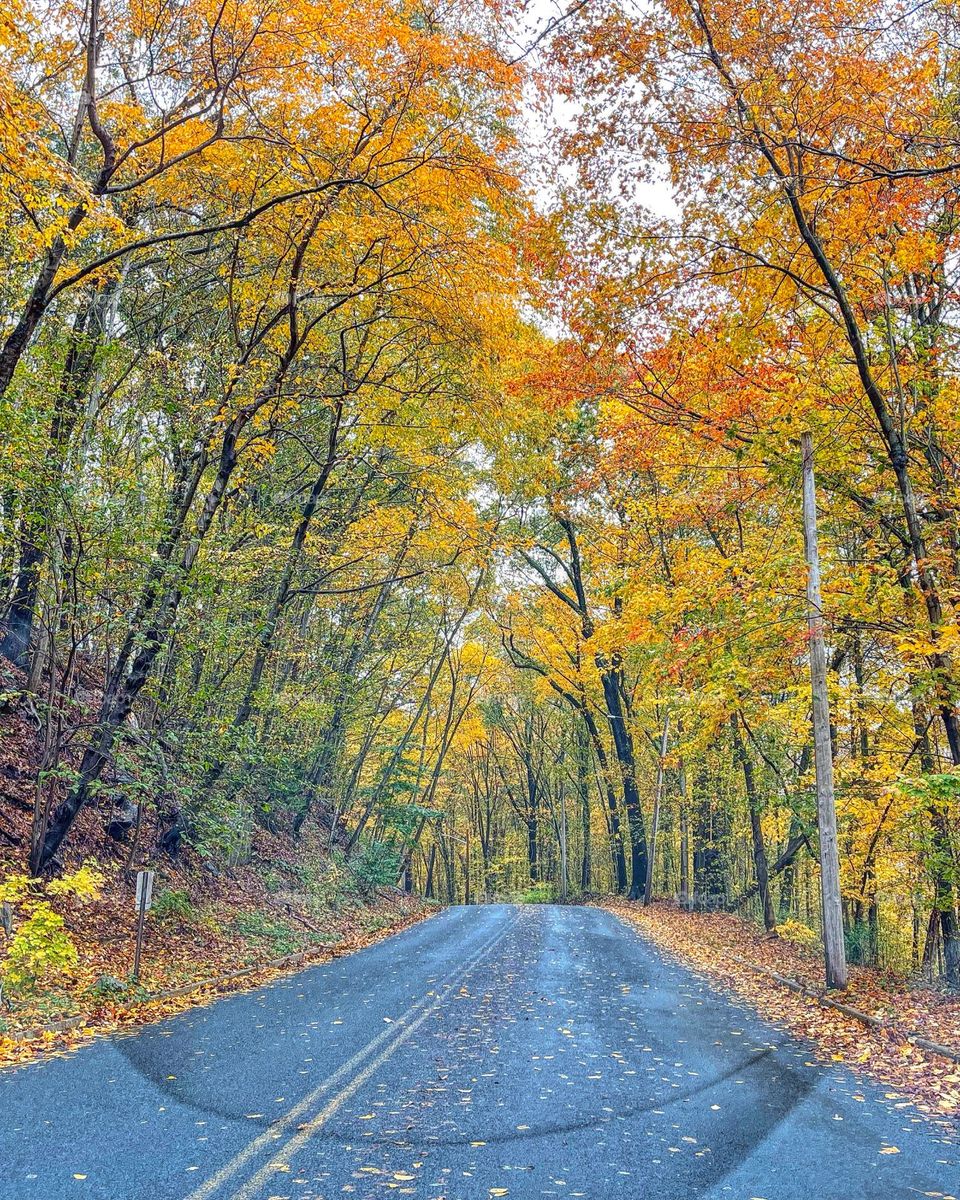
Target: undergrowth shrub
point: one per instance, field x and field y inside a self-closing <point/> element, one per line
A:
<point x="107" y="987"/>
<point x="37" y="944"/>
<point x="376" y="865"/>
<point x="800" y="934"/>
<point x="174" y="904"/>
<point x="540" y="893"/>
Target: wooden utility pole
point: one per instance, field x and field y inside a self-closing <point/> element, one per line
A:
<point x="832" y="912"/>
<point x="655" y="819"/>
<point x="685" y="896"/>
<point x="563" y="845"/>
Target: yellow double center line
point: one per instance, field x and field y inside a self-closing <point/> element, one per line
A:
<point x="352" y="1075"/>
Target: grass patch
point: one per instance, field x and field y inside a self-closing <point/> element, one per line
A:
<point x="259" y="929"/>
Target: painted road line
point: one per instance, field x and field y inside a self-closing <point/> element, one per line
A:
<point x="398" y="1030"/>
<point x="280" y="1160"/>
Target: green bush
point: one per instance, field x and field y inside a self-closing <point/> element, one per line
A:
<point x="174" y="905"/>
<point x="799" y="934"/>
<point x="272" y="881"/>
<point x="331" y="885"/>
<point x="377" y="865"/>
<point x="107" y="987"/>
<point x="540" y="893"/>
<point x="37" y="942"/>
<point x="41" y="947"/>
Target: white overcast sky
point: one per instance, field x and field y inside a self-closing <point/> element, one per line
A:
<point x="537" y="16"/>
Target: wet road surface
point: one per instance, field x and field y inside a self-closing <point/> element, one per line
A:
<point x="490" y="1051"/>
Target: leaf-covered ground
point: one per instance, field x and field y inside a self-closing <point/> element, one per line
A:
<point x="721" y="945"/>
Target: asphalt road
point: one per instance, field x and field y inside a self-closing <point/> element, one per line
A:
<point x="494" y="1051"/>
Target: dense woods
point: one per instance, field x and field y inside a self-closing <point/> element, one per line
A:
<point x="400" y="410"/>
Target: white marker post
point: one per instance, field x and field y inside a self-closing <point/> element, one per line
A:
<point x="144" y="900"/>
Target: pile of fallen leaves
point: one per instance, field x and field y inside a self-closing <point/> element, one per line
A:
<point x="723" y="947"/>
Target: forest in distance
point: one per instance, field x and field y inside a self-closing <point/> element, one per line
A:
<point x="401" y="482"/>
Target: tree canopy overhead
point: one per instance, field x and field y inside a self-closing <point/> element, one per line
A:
<point x="376" y="456"/>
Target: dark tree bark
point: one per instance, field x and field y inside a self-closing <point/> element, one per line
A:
<point x="612" y="682"/>
<point x="159" y="604"/>
<point x="158" y="608"/>
<point x="329" y="751"/>
<point x="616" y="703"/>
<point x="685" y="895"/>
<point x="583" y="792"/>
<point x="922" y="573"/>
<point x="761" y="869"/>
<point x="85" y="337"/>
<point x="709" y="833"/>
<point x="271" y="622"/>
<point x="428" y="883"/>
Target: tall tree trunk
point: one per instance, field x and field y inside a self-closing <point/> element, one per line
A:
<point x="655" y="818"/>
<point x="831" y="903"/>
<point x="946" y="896"/>
<point x="613" y="805"/>
<point x="708" y="873"/>
<point x="271" y="622"/>
<point x="159" y="603"/>
<point x="324" y="769"/>
<point x="787" y="864"/>
<point x="685" y="896"/>
<point x="931" y="945"/>
<point x="583" y="792"/>
<point x="753" y="803"/>
<point x="533" y="862"/>
<point x="626" y="758"/>
<point x="897" y="451"/>
<point x="140" y="650"/>
<point x="39" y="498"/>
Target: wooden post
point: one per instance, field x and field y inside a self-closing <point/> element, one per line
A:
<point x="655" y="819"/>
<point x="143" y="901"/>
<point x="832" y="911"/>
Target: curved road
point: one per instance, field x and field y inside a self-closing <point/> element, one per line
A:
<point x="493" y="1051"/>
